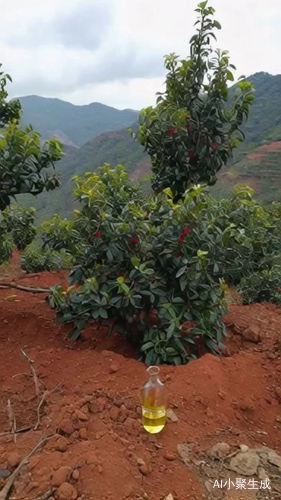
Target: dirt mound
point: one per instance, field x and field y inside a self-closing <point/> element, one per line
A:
<point x="88" y="405"/>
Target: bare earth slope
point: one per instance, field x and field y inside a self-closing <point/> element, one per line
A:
<point x="98" y="449"/>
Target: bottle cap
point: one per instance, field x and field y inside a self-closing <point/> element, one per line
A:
<point x="153" y="370"/>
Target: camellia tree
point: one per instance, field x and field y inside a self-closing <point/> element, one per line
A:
<point x="155" y="267"/>
<point x="24" y="168"/>
<point x="194" y="127"/>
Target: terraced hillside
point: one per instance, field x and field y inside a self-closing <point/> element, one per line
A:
<point x="260" y="169"/>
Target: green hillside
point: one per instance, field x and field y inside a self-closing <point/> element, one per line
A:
<point x="112" y="147"/>
<point x="257" y="161"/>
<point x="260" y="169"/>
<point x="265" y="116"/>
<point x="73" y="124"/>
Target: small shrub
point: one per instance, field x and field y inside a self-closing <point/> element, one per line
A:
<point x="264" y="286"/>
<point x="18" y="222"/>
<point x="35" y="259"/>
<point x="142" y="263"/>
<point x="153" y="264"/>
<point x="16" y="230"/>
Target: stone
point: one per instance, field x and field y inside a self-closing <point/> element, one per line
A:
<point x="142" y="466"/>
<point x="60" y="476"/>
<point x="262" y="475"/>
<point x="13" y="459"/>
<point x="4" y="473"/>
<point x="75" y="474"/>
<point x="169" y="455"/>
<point x="114" y="367"/>
<point x="83" y="433"/>
<point x="118" y="402"/>
<point x="209" y="486"/>
<point x="169" y="497"/>
<point x="131" y="426"/>
<point x="247" y="407"/>
<point x="274" y="459"/>
<point x="66" y="426"/>
<point x="66" y="492"/>
<point x="245" y="463"/>
<point x="114" y="413"/>
<point x="100" y="434"/>
<point x="123" y="414"/>
<point x="252" y="333"/>
<point x="171" y="415"/>
<point x="244" y="448"/>
<point x="184" y="453"/>
<point x="219" y="450"/>
<point x="144" y="470"/>
<point x="61" y="444"/>
<point x="81" y="415"/>
<point x="263" y="452"/>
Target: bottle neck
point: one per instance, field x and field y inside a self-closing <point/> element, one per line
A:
<point x="154" y="379"/>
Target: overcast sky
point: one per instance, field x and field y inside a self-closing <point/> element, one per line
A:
<point x="111" y="51"/>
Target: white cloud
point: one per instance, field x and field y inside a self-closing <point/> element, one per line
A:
<point x="112" y="50"/>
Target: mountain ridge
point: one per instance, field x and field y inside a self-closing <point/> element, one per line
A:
<point x="74" y="124"/>
<point x="117" y="146"/>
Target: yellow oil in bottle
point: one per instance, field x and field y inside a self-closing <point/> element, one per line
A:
<point x="154" y="419"/>
<point x="154" y="402"/>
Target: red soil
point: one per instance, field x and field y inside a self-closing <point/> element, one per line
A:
<point x="260" y="153"/>
<point x="93" y="404"/>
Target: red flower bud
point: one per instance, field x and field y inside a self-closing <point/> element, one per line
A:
<point x="134" y="240"/>
<point x="214" y="145"/>
<point x="184" y="233"/>
<point x="172" y="131"/>
<point x="187" y="230"/>
<point x="191" y="153"/>
<point x="98" y="234"/>
<point x="188" y="126"/>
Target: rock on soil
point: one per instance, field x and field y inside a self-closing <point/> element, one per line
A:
<point x="245" y="463"/>
<point x="66" y="492"/>
<point x="219" y="450"/>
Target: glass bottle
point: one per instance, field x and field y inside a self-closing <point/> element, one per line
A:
<point x="154" y="402"/>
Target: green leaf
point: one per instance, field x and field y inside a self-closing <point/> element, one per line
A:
<point x="180" y="271"/>
<point x="217" y="25"/>
<point x="135" y="261"/>
<point x="230" y="76"/>
<point x="171" y="351"/>
<point x="147" y="346"/>
<point x="75" y="334"/>
<point x="183" y="283"/>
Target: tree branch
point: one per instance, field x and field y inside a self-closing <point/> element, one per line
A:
<point x="31" y="289"/>
<point x="5" y="490"/>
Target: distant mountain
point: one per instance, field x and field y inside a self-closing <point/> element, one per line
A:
<point x="257" y="161"/>
<point x="265" y="114"/>
<point x="111" y="147"/>
<point x="74" y="125"/>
